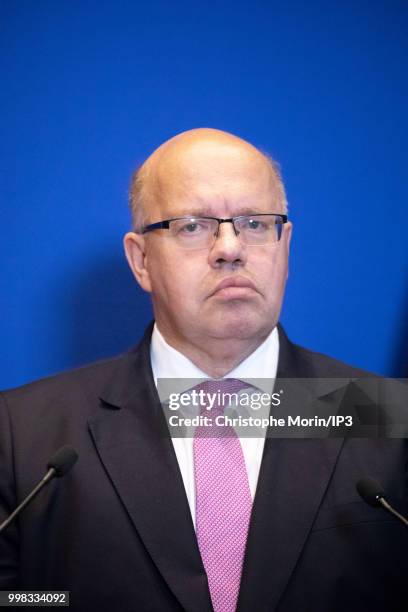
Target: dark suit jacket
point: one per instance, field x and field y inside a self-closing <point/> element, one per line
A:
<point x="117" y="531"/>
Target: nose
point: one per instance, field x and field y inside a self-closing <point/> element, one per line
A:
<point x="227" y="250"/>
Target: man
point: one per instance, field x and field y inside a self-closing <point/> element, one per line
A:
<point x="144" y="522"/>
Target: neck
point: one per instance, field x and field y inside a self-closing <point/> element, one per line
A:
<point x="216" y="356"/>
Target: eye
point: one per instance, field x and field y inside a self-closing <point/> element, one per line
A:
<point x="255" y="225"/>
<point x="191" y="228"/>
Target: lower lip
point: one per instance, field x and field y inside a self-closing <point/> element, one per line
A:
<point x="234" y="293"/>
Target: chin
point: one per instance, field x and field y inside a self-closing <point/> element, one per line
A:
<point x="241" y="326"/>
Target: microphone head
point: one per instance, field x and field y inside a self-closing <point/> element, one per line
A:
<point x="371" y="491"/>
<point x="63" y="460"/>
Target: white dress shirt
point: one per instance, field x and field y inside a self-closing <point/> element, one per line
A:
<point x="167" y="362"/>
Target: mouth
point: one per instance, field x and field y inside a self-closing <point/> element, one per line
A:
<point x="234" y="288"/>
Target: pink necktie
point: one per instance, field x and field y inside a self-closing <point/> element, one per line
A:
<point x="223" y="501"/>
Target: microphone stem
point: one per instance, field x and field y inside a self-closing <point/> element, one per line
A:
<point x="49" y="476"/>
<point x="389" y="508"/>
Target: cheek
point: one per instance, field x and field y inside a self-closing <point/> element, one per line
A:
<point x="175" y="278"/>
<point x="272" y="272"/>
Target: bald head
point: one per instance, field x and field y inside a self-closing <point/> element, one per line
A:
<point x="207" y="158"/>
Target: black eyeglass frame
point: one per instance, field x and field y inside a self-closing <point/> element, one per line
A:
<point x="166" y="223"/>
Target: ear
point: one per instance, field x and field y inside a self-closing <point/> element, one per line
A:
<point x="288" y="231"/>
<point x="287" y="235"/>
<point x="135" y="249"/>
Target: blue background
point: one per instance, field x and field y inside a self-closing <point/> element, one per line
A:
<point x="91" y="88"/>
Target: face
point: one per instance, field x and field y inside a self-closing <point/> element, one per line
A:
<point x="220" y="180"/>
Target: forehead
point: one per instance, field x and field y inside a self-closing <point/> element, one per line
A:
<point x="213" y="179"/>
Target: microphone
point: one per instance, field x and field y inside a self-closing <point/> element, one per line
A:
<point x="58" y="466"/>
<point x="373" y="494"/>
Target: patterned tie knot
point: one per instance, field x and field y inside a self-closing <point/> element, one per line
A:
<point x="214" y="397"/>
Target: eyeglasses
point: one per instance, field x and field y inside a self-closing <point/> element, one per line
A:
<point x="202" y="232"/>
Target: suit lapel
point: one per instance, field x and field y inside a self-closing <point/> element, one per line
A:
<point x="132" y="440"/>
<point x="292" y="481"/>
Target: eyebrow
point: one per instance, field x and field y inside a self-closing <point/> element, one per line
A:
<point x="205" y="212"/>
